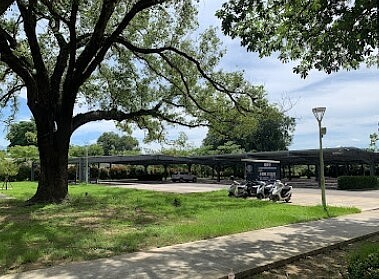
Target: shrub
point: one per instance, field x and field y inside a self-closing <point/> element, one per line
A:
<point x="118" y="172"/>
<point x="104" y="173"/>
<point x="23" y="172"/>
<point x="71" y="172"/>
<point x="357" y="182"/>
<point x="37" y="172"/>
<point x="364" y="263"/>
<point x="94" y="172"/>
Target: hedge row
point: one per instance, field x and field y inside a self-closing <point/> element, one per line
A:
<point x="357" y="182"/>
<point x="117" y="172"/>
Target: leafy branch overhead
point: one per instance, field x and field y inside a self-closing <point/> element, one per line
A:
<point x="139" y="62"/>
<point x="322" y="35"/>
<point x="133" y="62"/>
<point x="4" y="5"/>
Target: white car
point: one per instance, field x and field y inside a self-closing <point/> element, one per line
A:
<point x="183" y="176"/>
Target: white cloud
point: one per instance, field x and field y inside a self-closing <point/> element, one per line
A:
<point x="89" y="133"/>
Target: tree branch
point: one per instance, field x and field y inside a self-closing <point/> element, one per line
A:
<point x="10" y="94"/>
<point x="30" y="31"/>
<point x="73" y="39"/>
<point x="186" y="93"/>
<point x="4" y="5"/>
<point x="54" y="13"/>
<point x="114" y="114"/>
<point x="97" y="55"/>
<point x="61" y="62"/>
<point x="218" y="86"/>
<point x="96" y="40"/>
<point x="14" y="62"/>
<point x="182" y="77"/>
<point x="160" y="50"/>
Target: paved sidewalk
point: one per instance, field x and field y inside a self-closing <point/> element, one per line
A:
<point x="243" y="253"/>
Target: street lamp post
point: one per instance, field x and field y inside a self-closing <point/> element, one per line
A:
<point x="87" y="170"/>
<point x="319" y="114"/>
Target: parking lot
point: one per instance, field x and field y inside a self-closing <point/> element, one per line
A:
<point x="364" y="200"/>
<point x="185" y="187"/>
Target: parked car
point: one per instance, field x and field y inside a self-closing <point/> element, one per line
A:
<point x="183" y="176"/>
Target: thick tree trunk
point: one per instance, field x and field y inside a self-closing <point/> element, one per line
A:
<point x="53" y="153"/>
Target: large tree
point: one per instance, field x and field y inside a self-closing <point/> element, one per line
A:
<point x="131" y="61"/>
<point x="319" y="34"/>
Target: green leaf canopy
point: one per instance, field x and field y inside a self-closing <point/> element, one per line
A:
<point x="317" y="34"/>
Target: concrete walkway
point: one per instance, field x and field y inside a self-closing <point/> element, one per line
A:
<point x="244" y="253"/>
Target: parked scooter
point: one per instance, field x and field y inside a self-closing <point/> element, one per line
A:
<point x="280" y="192"/>
<point x="252" y="187"/>
<point x="244" y="189"/>
<point x="264" y="190"/>
<point x="238" y="190"/>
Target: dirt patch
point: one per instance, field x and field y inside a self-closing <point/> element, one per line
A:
<point x="330" y="264"/>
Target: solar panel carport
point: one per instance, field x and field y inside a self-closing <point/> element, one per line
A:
<point x="332" y="156"/>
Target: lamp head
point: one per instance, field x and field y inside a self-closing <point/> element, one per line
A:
<point x="319" y="112"/>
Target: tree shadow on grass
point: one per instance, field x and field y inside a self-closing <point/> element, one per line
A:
<point x="215" y="258"/>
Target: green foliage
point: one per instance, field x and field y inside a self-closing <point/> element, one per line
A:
<point x="229" y="147"/>
<point x="373" y="139"/>
<point x="364" y="262"/>
<point x="22" y="133"/>
<point x="8" y="167"/>
<point x="263" y="129"/>
<point x="118" y="172"/>
<point x="325" y="35"/>
<point x="113" y="144"/>
<point x="357" y="182"/>
<point x="71" y="172"/>
<point x="23" y="153"/>
<point x="83" y="151"/>
<point x="305" y="171"/>
<point x="104" y="173"/>
<point x="16" y="163"/>
<point x="101" y="221"/>
<point x="24" y="172"/>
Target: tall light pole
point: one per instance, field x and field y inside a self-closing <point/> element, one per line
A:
<point x="319" y="114"/>
<point x="87" y="164"/>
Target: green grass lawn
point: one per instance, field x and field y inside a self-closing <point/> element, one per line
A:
<point x="101" y="221"/>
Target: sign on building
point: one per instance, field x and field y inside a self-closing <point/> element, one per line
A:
<point x="261" y="170"/>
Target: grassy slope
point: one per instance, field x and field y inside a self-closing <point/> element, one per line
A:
<point x="102" y="221"/>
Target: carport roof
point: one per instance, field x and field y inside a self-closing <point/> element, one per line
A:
<point x="341" y="155"/>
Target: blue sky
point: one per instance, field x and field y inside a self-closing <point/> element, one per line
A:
<point x="351" y="98"/>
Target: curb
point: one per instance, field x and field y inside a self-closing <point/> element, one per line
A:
<point x="246" y="274"/>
